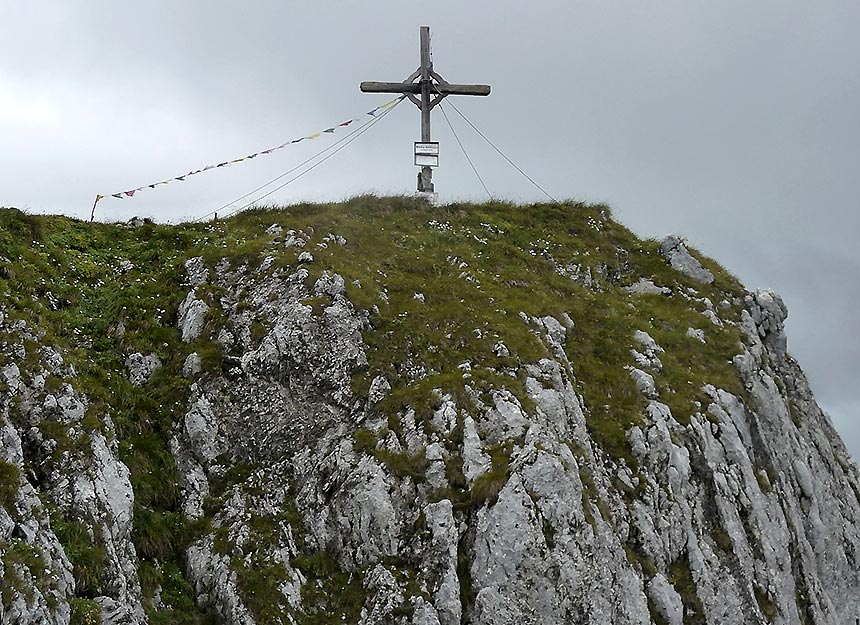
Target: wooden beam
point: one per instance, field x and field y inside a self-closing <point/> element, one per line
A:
<point x="449" y="89"/>
<point x="390" y="87"/>
<point x="415" y="87"/>
<point x="426" y="177"/>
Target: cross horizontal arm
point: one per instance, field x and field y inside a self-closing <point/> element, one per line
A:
<point x="415" y="87"/>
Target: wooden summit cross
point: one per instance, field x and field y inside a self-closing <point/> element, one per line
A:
<point x="425" y="88"/>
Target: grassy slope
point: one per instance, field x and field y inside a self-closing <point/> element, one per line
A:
<point x="477" y="266"/>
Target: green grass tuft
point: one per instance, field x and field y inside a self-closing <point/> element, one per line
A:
<point x="10" y="479"/>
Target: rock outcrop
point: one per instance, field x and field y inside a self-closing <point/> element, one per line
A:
<point x="679" y="257"/>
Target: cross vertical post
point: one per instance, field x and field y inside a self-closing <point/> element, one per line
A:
<point x="425" y="88"/>
<point x="425" y="179"/>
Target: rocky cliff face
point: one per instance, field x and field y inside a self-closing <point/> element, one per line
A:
<point x="382" y="412"/>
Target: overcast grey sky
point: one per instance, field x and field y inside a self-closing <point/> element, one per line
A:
<point x="734" y="123"/>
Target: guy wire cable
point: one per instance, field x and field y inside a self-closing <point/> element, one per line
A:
<point x="514" y="165"/>
<point x="460" y="143"/>
<point x="357" y="133"/>
<point x="300" y="165"/>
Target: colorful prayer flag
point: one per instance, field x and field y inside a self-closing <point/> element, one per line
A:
<point x="131" y="192"/>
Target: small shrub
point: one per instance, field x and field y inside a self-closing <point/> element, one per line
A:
<point x="401" y="464"/>
<point x="31" y="558"/>
<point x="84" y="612"/>
<point x="86" y="554"/>
<point x="454" y="472"/>
<point x="178" y="596"/>
<point x="486" y="487"/>
<point x="404" y="464"/>
<point x="156" y="534"/>
<point x="723" y="540"/>
<point x="150" y="578"/>
<point x="258" y="331"/>
<point x="331" y="594"/>
<point x="767" y="606"/>
<point x="682" y="579"/>
<point x="364" y="441"/>
<point x="10" y="479"/>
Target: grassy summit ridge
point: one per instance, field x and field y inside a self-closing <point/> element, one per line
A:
<point x="451" y="292"/>
<point x="477" y="267"/>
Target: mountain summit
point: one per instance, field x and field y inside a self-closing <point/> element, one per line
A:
<point x="380" y="411"/>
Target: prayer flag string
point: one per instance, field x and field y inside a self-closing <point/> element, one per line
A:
<point x="130" y="193"/>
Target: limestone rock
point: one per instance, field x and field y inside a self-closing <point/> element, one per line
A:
<point x="644" y="382"/>
<point x="192" y="366"/>
<point x="192" y="316"/>
<point x="140" y="367"/>
<point x="769" y="313"/>
<point x="699" y="335"/>
<point x="673" y="248"/>
<point x="666" y="600"/>
<point x="196" y="271"/>
<point x="330" y="284"/>
<point x="646" y="286"/>
<point x="379" y="388"/>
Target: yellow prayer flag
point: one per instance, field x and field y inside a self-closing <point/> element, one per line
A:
<point x="315" y="136"/>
